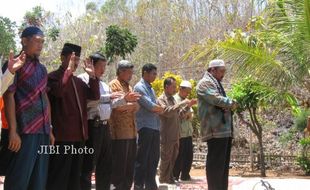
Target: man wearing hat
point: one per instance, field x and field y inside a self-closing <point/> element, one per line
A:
<point x="214" y="109"/>
<point x="184" y="160"/>
<point x="170" y="129"/>
<point x="68" y="95"/>
<point x="98" y="114"/>
<point x="123" y="130"/>
<point x="27" y="108"/>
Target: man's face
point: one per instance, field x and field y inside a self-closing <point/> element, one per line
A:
<point x="151" y="76"/>
<point x="184" y="92"/>
<point x="171" y="89"/>
<point x="126" y="75"/>
<point x="33" y="45"/>
<point x="100" y="68"/>
<point x="219" y="73"/>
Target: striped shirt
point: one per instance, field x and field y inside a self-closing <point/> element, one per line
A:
<point x="31" y="108"/>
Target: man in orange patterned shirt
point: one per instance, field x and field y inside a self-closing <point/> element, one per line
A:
<point x="123" y="129"/>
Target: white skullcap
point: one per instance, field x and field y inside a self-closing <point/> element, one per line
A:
<point x="186" y="84"/>
<point x="216" y="63"/>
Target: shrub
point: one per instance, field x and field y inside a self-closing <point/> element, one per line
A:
<point x="304" y="159"/>
<point x="300" y="121"/>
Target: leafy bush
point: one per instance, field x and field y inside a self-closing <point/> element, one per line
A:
<point x="285" y="138"/>
<point x="119" y="42"/>
<point x="304" y="159"/>
<point x="158" y="84"/>
<point x="300" y="121"/>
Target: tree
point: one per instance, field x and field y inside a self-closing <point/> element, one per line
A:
<point x="7" y="35"/>
<point x="42" y="19"/>
<point x="35" y="17"/>
<point x="119" y="42"/>
<point x="165" y="29"/>
<point x="253" y="97"/>
<point x="91" y="7"/>
<point x="274" y="47"/>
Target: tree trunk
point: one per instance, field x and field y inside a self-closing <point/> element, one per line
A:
<point x="258" y="131"/>
<point x="261" y="156"/>
<point x="261" y="147"/>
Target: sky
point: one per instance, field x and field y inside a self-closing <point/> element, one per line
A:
<point x="16" y="9"/>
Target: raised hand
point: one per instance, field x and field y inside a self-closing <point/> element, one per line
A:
<point x="15" y="63"/>
<point x="72" y="61"/>
<point x="89" y="67"/>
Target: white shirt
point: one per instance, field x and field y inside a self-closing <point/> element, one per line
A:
<point x="103" y="106"/>
<point x="6" y="81"/>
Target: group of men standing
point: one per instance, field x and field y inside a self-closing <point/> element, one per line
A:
<point x="128" y="128"/>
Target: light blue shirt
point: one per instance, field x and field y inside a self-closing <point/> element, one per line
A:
<point x="145" y="117"/>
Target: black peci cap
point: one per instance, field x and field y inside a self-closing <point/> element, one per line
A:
<point x="31" y="31"/>
<point x="70" y="48"/>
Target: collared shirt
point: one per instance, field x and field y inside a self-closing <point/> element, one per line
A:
<point x="186" y="128"/>
<point x="66" y="117"/>
<point x="169" y="119"/>
<point x="102" y="107"/>
<point x="31" y="108"/>
<point x="145" y="117"/>
<point x="122" y="123"/>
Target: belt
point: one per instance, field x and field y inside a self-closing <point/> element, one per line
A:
<point x="103" y="122"/>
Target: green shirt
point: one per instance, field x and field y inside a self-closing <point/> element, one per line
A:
<point x="186" y="129"/>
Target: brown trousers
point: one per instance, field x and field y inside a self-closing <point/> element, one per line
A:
<point x="168" y="155"/>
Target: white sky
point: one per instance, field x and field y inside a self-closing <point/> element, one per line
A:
<point x="16" y="9"/>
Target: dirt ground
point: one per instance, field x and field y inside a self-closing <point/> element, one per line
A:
<point x="256" y="173"/>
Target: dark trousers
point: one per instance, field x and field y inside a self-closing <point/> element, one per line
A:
<point x="65" y="168"/>
<point x="147" y="159"/>
<point x="28" y="169"/>
<point x="123" y="160"/>
<point x="101" y="160"/>
<point x="217" y="164"/>
<point x="184" y="160"/>
<point x="6" y="155"/>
